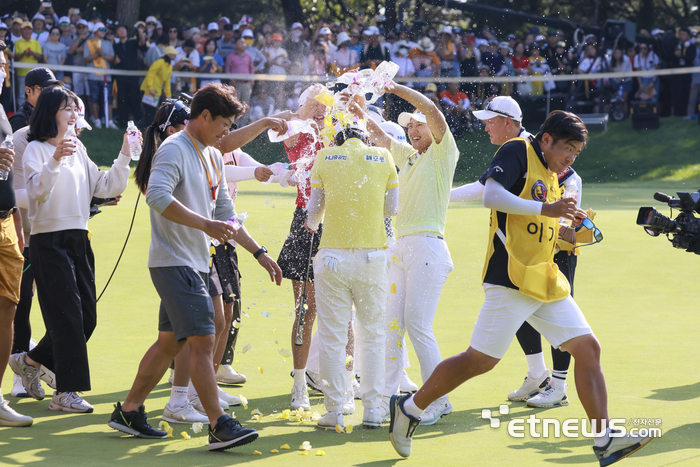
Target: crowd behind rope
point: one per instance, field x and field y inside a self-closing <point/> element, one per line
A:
<point x="256" y="46"/>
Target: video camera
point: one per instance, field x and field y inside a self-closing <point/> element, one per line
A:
<point x="685" y="228"/>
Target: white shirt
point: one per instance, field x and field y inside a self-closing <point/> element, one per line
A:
<point x="651" y="62"/>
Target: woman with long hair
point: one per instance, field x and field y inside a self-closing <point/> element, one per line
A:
<point x="61" y="179"/>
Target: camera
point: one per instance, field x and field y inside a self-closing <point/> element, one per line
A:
<point x="685" y="228"/>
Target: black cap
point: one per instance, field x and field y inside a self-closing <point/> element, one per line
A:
<point x="40" y="77"/>
<point x="228" y="27"/>
<point x="96" y="15"/>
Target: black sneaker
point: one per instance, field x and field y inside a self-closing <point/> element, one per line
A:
<point x="134" y="423"/>
<point x="228" y="433"/>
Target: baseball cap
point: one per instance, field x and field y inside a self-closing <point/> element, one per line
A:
<point x="540" y="38"/>
<point x="3" y="26"/>
<point x="394" y="130"/>
<point x="64" y="20"/>
<point x="39" y="16"/>
<point x="82" y="122"/>
<point x="82" y="21"/>
<point x="194" y="30"/>
<point x="511" y="36"/>
<point x="27" y="24"/>
<point x="493" y="41"/>
<point x="17" y="20"/>
<point x="431" y="87"/>
<point x="247" y="33"/>
<point x="224" y="20"/>
<point x="343" y="37"/>
<point x="100" y="26"/>
<point x="277" y="37"/>
<point x="213" y="27"/>
<point x="297" y="26"/>
<point x="169" y="50"/>
<point x="324" y="30"/>
<point x="40" y="77"/>
<point x="501" y="106"/>
<point x="405" y="118"/>
<point x="151" y="19"/>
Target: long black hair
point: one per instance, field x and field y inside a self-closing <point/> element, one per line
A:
<point x="170" y="113"/>
<point x="42" y="124"/>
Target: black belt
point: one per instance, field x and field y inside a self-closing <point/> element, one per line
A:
<point x="8" y="213"/>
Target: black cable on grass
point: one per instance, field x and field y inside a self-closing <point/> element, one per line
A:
<point x="123" y="248"/>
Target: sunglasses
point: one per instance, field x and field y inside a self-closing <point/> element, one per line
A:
<point x="177" y="105"/>
<point x="173" y="30"/>
<point x="65" y="24"/>
<point x="597" y="235"/>
<point x="102" y="30"/>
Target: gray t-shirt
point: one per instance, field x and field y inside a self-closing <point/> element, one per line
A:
<point x="177" y="173"/>
<point x="107" y="51"/>
<point x="54" y="52"/>
<point x="77" y="58"/>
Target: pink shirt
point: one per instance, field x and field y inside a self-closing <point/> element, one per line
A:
<point x="240" y="64"/>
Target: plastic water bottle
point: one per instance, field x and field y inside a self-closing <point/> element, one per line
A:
<point x="571" y="191"/>
<point x="236" y="222"/>
<point x="294" y="127"/>
<point x="7" y="144"/>
<point x="134" y="142"/>
<point x="68" y="161"/>
<point x="278" y="168"/>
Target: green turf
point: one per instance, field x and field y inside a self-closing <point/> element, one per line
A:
<point x="638" y="293"/>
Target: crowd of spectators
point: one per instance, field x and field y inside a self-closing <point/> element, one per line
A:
<point x="262" y="47"/>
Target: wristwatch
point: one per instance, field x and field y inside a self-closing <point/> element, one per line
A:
<point x="261" y="251"/>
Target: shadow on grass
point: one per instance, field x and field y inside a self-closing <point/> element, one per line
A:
<point x="678" y="393"/>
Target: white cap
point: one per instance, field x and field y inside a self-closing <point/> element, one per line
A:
<point x="324" y="30"/>
<point x="500" y="106"/>
<point x="446" y="30"/>
<point x="159" y="25"/>
<point x="247" y="33"/>
<point x="100" y="25"/>
<point x="343" y="37"/>
<point x="39" y="16"/>
<point x="540" y="38"/>
<point x="394" y="130"/>
<point x="83" y="22"/>
<point x="82" y="122"/>
<point x="373" y="113"/>
<point x="225" y="20"/>
<point x="151" y="19"/>
<point x="297" y="26"/>
<point x="480" y="42"/>
<point x="213" y="26"/>
<point x="195" y="30"/>
<point x="405" y="118"/>
<point x="654" y="32"/>
<point x="63" y="19"/>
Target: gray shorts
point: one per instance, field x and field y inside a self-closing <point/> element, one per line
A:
<point x="185" y="305"/>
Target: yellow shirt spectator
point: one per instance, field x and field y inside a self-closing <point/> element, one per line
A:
<point x="425" y="180"/>
<point x="158" y="78"/>
<point x="22" y="45"/>
<point x="353" y="177"/>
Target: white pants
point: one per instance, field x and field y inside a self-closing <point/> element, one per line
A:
<point x="419" y="268"/>
<point x="505" y="310"/>
<point x="80" y="84"/>
<point x="362" y="280"/>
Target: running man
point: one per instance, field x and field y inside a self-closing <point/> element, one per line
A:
<point x="521" y="283"/>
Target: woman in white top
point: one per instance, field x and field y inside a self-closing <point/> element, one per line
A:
<point x="622" y="63"/>
<point x="61" y="257"/>
<point x="647" y="60"/>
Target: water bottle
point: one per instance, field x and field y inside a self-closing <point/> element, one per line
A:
<point x="134" y="142"/>
<point x="294" y="127"/>
<point x="278" y="168"/>
<point x="68" y="161"/>
<point x="571" y="191"/>
<point x="236" y="222"/>
<point x="8" y="144"/>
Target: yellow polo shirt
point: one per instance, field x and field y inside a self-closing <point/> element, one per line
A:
<point x="426" y="180"/>
<point x="354" y="178"/>
<point x="21" y="46"/>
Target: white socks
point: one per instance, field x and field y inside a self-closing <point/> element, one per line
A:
<point x="411" y="408"/>
<point x="178" y="396"/>
<point x="535" y="364"/>
<point x="601" y="441"/>
<point x="191" y="391"/>
<point x="300" y="377"/>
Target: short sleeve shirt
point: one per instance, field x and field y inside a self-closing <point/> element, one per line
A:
<point x="107" y="51"/>
<point x="354" y="178"/>
<point x="55" y="52"/>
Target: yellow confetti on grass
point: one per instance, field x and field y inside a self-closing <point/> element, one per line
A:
<point x="285" y="446"/>
<point x="303" y="453"/>
<point x="260" y="370"/>
<point x="185" y="435"/>
<point x="285" y="353"/>
<point x="274" y="451"/>
<point x="246" y="348"/>
<point x="197" y="427"/>
<point x="163" y="425"/>
<point x="320" y="453"/>
<point x="257" y="453"/>
<point x="393" y="289"/>
<point x="305" y="446"/>
<point x="244" y="401"/>
<point x="237" y="324"/>
<point x="348" y="429"/>
<point x="339" y="429"/>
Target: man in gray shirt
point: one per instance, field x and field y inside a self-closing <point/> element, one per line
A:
<point x="190" y="203"/>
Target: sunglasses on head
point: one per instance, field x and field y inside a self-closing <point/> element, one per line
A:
<point x="177" y="105"/>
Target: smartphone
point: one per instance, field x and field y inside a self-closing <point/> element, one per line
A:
<point x="46" y="4"/>
<point x="471" y="40"/>
<point x="76" y="11"/>
<point x="101" y="201"/>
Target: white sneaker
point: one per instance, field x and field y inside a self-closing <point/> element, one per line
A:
<point x="372" y="418"/>
<point x="357" y="395"/>
<point x="228" y="398"/>
<point x="70" y="402"/>
<point x="8" y="416"/>
<point x="406" y="385"/>
<point x="401" y="426"/>
<point x="531" y="387"/>
<point x="172" y="375"/>
<point x="330" y="420"/>
<point x="436" y="411"/>
<point x="227" y="375"/>
<point x="384" y="409"/>
<point x="97" y="123"/>
<point x="112" y="125"/>
<point x="17" y="387"/>
<point x="619" y="448"/>
<point x="300" y="398"/>
<point x="197" y="404"/>
<point x="48" y="377"/>
<point x="183" y="414"/>
<point x="348" y="406"/>
<point x="554" y="395"/>
<point x="29" y="375"/>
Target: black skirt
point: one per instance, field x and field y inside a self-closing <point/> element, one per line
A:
<point x="294" y="257"/>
